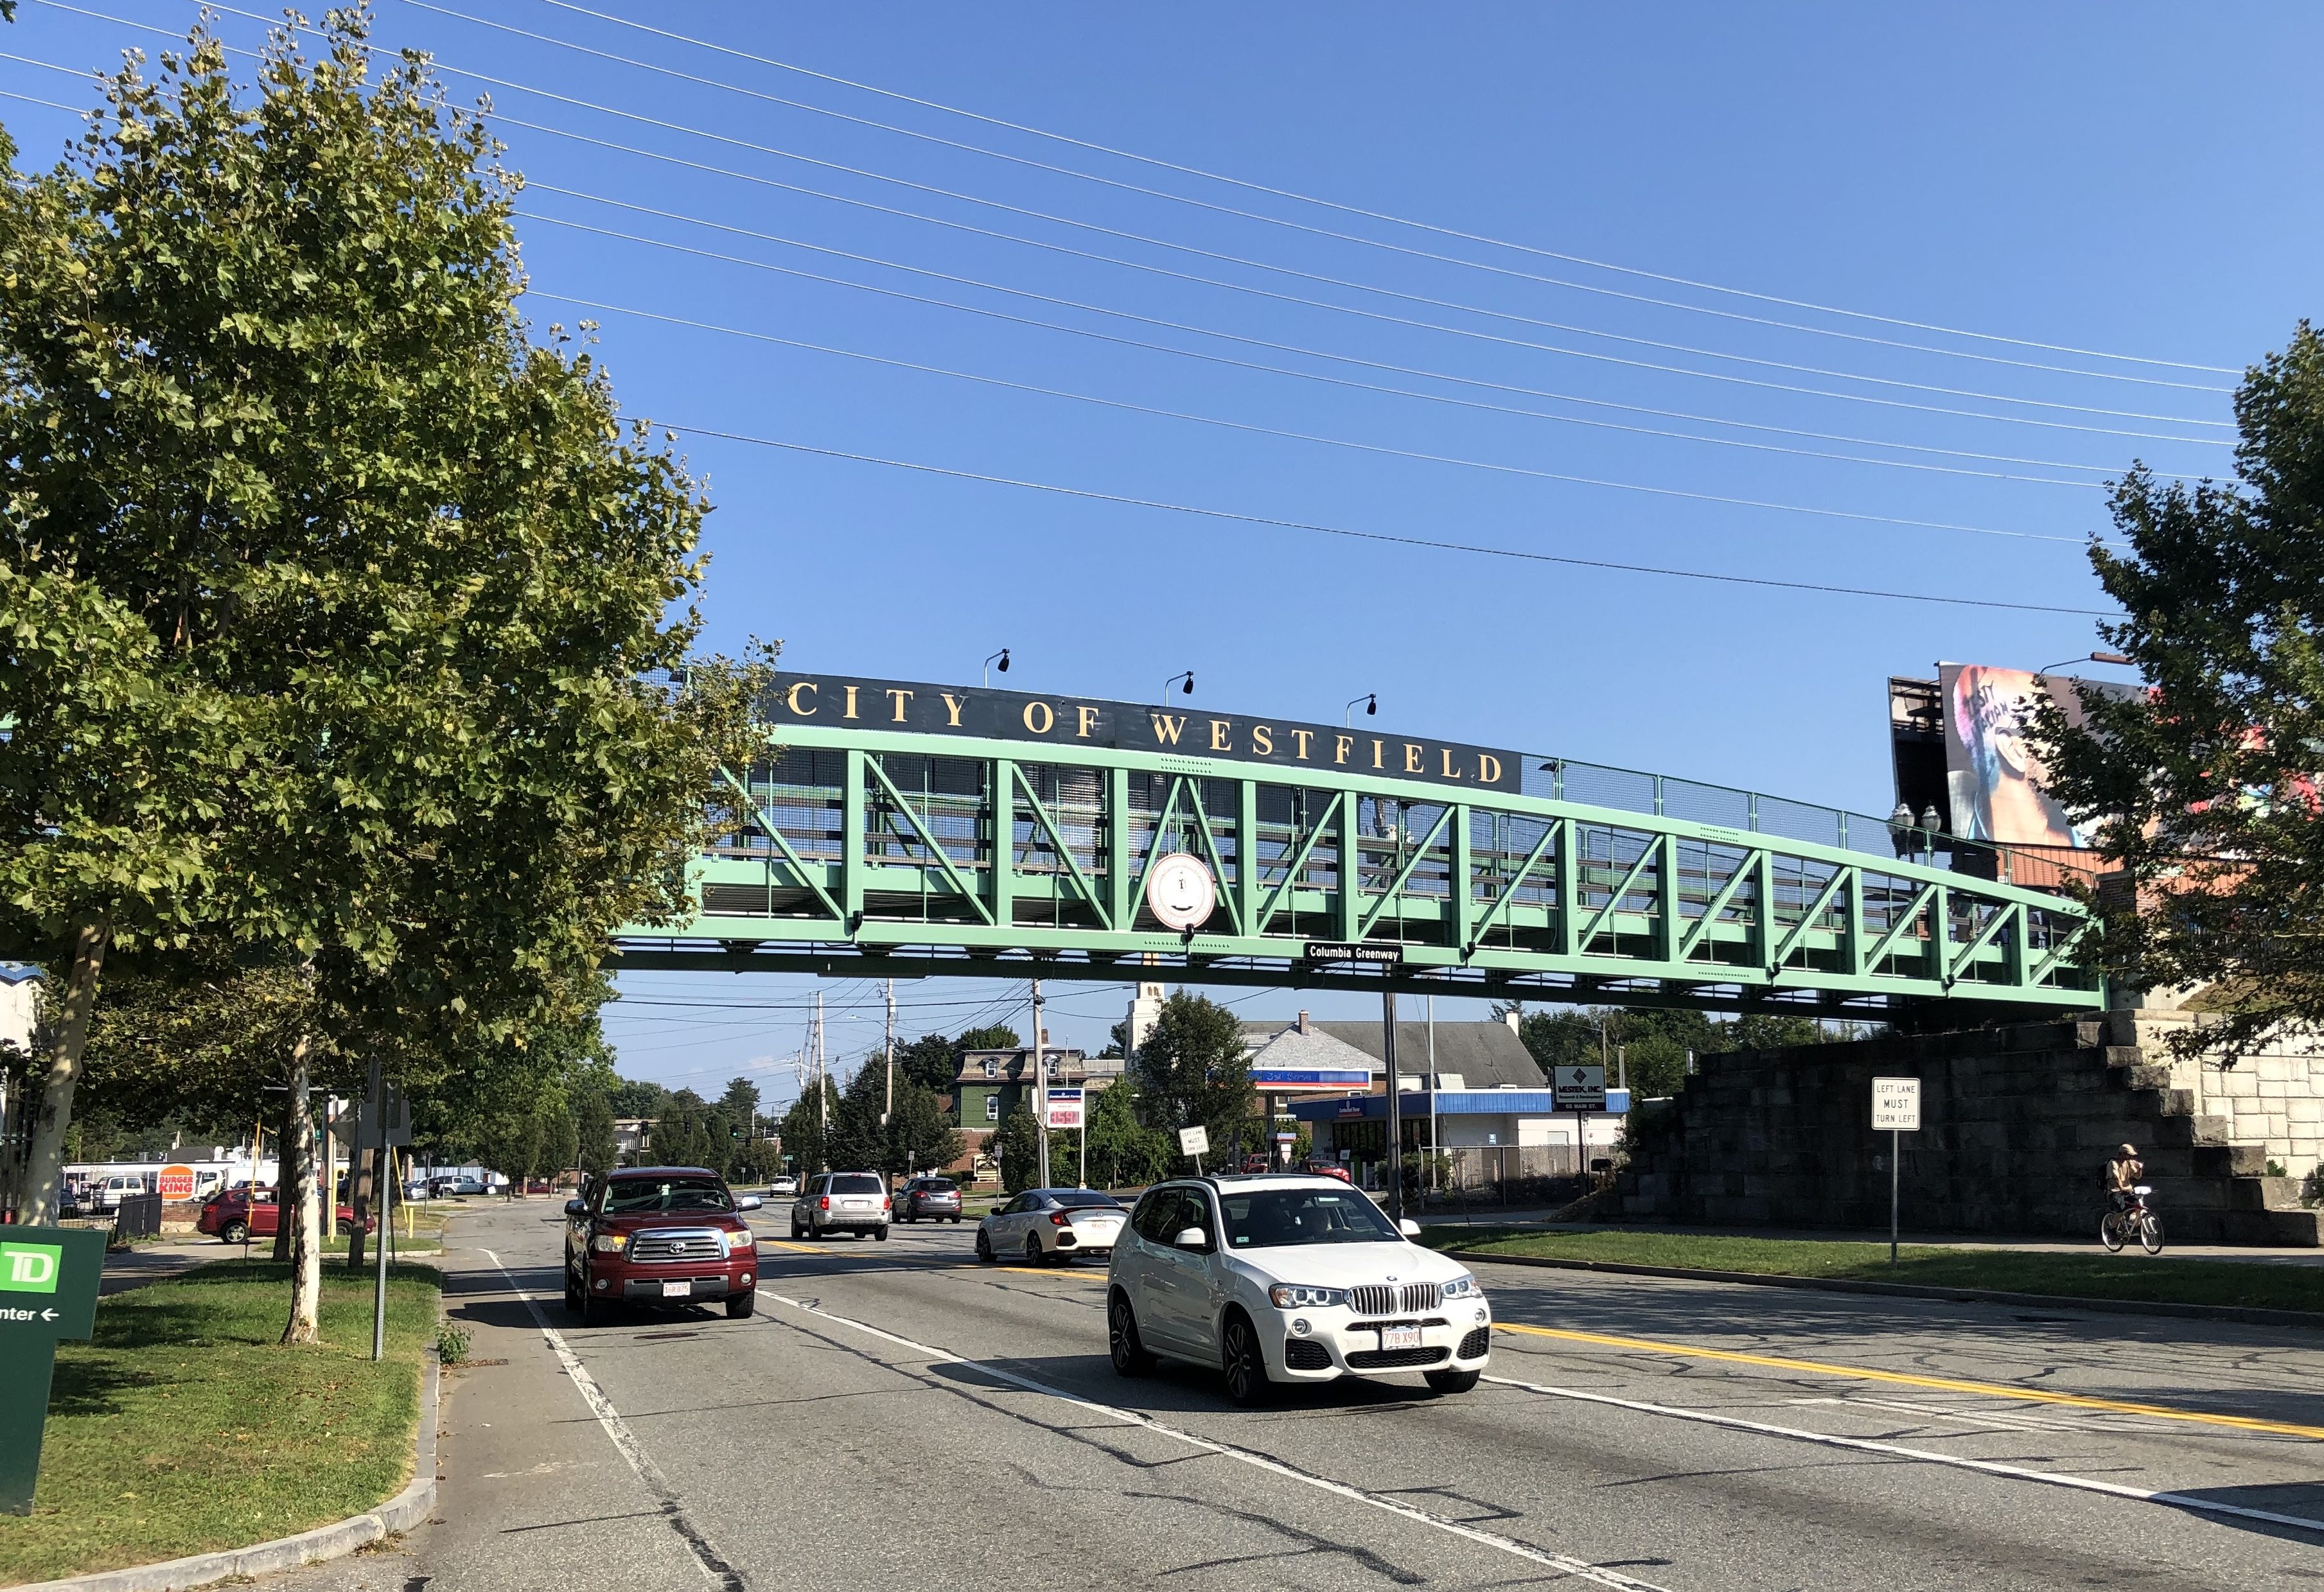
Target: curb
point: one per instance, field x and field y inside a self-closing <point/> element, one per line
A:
<point x="2127" y="1307"/>
<point x="398" y="1515"/>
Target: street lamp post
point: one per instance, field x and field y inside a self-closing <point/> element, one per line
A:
<point x="1371" y="699"/>
<point x="1000" y="658"/>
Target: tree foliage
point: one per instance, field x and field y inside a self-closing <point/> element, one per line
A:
<point x="1194" y="1070"/>
<point x="1651" y="1045"/>
<point x="2204" y="790"/>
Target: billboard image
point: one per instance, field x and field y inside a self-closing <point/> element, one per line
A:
<point x="1994" y="770"/>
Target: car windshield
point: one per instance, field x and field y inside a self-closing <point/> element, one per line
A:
<point x="856" y="1182"/>
<point x="627" y="1194"/>
<point x="1274" y="1218"/>
<point x="1083" y="1199"/>
<point x="935" y="1185"/>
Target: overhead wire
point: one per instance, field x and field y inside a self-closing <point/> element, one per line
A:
<point x="1343" y="208"/>
<point x="1711" y="354"/>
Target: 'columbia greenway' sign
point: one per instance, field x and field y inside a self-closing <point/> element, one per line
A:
<point x="48" y="1291"/>
<point x="970" y="711"/>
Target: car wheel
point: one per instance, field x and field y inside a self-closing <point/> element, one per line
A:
<point x="1452" y="1381"/>
<point x="741" y="1304"/>
<point x="984" y="1246"/>
<point x="798" y="1232"/>
<point x="572" y="1293"/>
<point x="882" y="1234"/>
<point x="1130" y="1354"/>
<point x="1033" y="1255"/>
<point x="592" y="1308"/>
<point x="1245" y="1363"/>
<point x="956" y="1222"/>
<point x="234" y="1232"/>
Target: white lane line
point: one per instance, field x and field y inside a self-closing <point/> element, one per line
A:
<point x="625" y="1442"/>
<point x="1579" y="1569"/>
<point x="1868" y="1446"/>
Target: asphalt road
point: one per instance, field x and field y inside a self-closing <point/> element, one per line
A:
<point x="897" y="1415"/>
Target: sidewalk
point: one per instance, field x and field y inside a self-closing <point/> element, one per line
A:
<point x="1485" y="1216"/>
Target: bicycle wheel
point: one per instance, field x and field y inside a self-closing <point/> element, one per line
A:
<point x="2110" y="1231"/>
<point x="2150" y="1233"/>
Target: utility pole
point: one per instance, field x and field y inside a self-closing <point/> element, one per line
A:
<point x="822" y="1093"/>
<point x="1433" y="1081"/>
<point x="891" y="1112"/>
<point x="1395" y="1108"/>
<point x="1041" y="1085"/>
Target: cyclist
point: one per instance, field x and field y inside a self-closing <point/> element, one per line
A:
<point x="2122" y="1174"/>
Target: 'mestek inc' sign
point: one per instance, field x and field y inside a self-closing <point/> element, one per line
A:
<point x="1080" y="720"/>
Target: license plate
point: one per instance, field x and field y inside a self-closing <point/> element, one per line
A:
<point x="680" y="1290"/>
<point x="1399" y="1338"/>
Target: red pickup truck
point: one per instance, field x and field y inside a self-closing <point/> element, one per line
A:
<point x="660" y="1235"/>
<point x="235" y="1214"/>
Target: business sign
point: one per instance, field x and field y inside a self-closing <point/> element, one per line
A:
<point x="1265" y="1078"/>
<point x="1353" y="1106"/>
<point x="175" y="1183"/>
<point x="1996" y="774"/>
<point x="1194" y="1141"/>
<point x="1578" y="1089"/>
<point x="1896" y="1105"/>
<point x="979" y="712"/>
<point x="1065" y="1107"/>
<point x="48" y="1291"/>
<point x="1383" y="955"/>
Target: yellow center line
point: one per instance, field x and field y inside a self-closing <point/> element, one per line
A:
<point x="1905" y="1379"/>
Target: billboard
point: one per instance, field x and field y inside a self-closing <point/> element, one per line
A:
<point x="1994" y="770"/>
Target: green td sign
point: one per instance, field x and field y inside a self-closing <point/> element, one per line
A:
<point x="48" y="1291"/>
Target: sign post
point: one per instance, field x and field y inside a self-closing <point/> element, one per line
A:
<point x="1580" y="1090"/>
<point x="1195" y="1142"/>
<point x="1895" y="1107"/>
<point x="48" y="1291"/>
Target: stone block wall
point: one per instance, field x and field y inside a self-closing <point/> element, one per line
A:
<point x="2016" y="1125"/>
<point x="2273" y="1100"/>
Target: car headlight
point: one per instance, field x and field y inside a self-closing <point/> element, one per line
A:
<point x="1464" y="1286"/>
<point x="741" y="1240"/>
<point x="1291" y="1296"/>
<point x="610" y="1243"/>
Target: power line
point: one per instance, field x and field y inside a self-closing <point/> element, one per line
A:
<point x="1326" y="441"/>
<point x="1369" y="535"/>
<point x="1355" y="210"/>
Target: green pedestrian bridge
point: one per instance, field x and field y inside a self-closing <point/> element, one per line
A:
<point x="900" y="829"/>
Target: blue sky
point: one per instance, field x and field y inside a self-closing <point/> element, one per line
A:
<point x="2122" y="179"/>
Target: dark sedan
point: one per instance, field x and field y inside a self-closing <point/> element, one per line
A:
<point x="930" y="1199"/>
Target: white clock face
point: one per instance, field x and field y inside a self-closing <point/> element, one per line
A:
<point x="1180" y="891"/>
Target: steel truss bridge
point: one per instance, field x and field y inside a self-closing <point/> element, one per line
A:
<point x="858" y="852"/>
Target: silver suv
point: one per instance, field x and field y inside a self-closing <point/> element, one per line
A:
<point x="841" y="1202"/>
<point x="1288" y="1278"/>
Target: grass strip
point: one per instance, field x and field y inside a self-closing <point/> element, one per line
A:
<point x="2130" y="1275"/>
<point x="183" y="1427"/>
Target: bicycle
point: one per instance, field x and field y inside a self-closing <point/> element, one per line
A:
<point x="2132" y="1219"/>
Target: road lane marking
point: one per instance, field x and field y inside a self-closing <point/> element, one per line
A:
<point x="2055" y="1478"/>
<point x="1579" y="1569"/>
<point x="1904" y="1379"/>
<point x="625" y="1442"/>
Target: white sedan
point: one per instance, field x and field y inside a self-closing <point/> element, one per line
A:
<point x="1044" y="1225"/>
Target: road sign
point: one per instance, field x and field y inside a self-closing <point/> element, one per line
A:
<point x="1194" y="1141"/>
<point x="1896" y="1105"/>
<point x="1180" y="891"/>
<point x="359" y="1130"/>
<point x="1065" y="1107"/>
<point x="48" y="1291"/>
<point x="1380" y="955"/>
<point x="1578" y="1089"/>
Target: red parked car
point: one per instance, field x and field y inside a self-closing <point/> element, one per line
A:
<point x="660" y="1235"/>
<point x="235" y="1214"/>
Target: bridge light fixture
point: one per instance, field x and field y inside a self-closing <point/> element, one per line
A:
<point x="1188" y="688"/>
<point x="1371" y="699"/>
<point x="1001" y="658"/>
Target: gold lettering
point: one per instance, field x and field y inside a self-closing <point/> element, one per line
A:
<point x="900" y="698"/>
<point x="1219" y="729"/>
<point x="1488" y="769"/>
<point x="953" y="704"/>
<point x="1167" y="729"/>
<point x="1412" y="759"/>
<point x="1303" y="737"/>
<point x="1048" y="719"/>
<point x="1085" y="717"/>
<point x="793" y="695"/>
<point x="1450" y="771"/>
<point x="1340" y="753"/>
<point x="1262" y="741"/>
<point x="850" y="703"/>
<point x="1376" y="755"/>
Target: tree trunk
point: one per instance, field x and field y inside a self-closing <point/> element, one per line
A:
<point x="45" y="1173"/>
<point x="297" y="1143"/>
<point x="306" y="1238"/>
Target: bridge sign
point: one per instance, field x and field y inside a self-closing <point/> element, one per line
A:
<point x="1579" y="1089"/>
<point x="48" y="1291"/>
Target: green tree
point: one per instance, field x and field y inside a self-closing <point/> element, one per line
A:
<point x="271" y="398"/>
<point x="2204" y="789"/>
<point x="1123" y="1151"/>
<point x="560" y="1136"/>
<point x="1018" y="1146"/>
<point x="1194" y="1070"/>
<point x="993" y="1037"/>
<point x="593" y="1133"/>
<point x="931" y="1061"/>
<point x="804" y="1138"/>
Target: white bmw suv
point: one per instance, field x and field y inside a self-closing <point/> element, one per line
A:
<point x="1291" y="1278"/>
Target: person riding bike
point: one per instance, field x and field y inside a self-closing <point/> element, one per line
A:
<point x="2122" y="1174"/>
